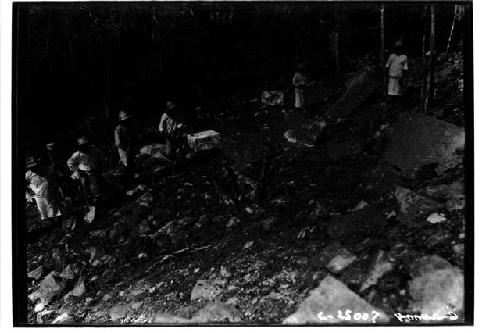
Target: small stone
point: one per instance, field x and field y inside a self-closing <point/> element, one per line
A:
<point x="233" y="221"/>
<point x="341" y="260"/>
<point x="436" y="218"/>
<point x="39" y="307"/>
<point x="248" y="245"/>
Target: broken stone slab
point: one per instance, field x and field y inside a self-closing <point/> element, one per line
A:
<point x="417" y="140"/>
<point x="331" y="298"/>
<point x="381" y="265"/>
<point x="217" y="313"/>
<point x="49" y="288"/>
<point x="412" y="204"/>
<point x="68" y="273"/>
<point x="36" y="274"/>
<point x="202" y="141"/>
<point x="335" y="257"/>
<point x="273" y="97"/>
<point x="157" y="150"/>
<point x="78" y="290"/>
<point x="64" y="318"/>
<point x="119" y="311"/>
<point x="437" y="287"/>
<point x="207" y="289"/>
<point x="360" y="89"/>
<point x="303" y="131"/>
<point x="340" y="151"/>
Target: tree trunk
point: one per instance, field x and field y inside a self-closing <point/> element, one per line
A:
<point x="382" y="38"/>
<point x="452" y="28"/>
<point x="430" y="77"/>
<point x="424" y="61"/>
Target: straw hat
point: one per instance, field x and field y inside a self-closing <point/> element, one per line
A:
<point x="124" y="115"/>
<point x="82" y="140"/>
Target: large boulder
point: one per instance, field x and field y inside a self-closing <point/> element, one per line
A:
<point x="324" y="303"/>
<point x="437" y="287"/>
<point x="49" y="288"/>
<point x="362" y="86"/>
<point x="416" y="140"/>
<point x="413" y="205"/>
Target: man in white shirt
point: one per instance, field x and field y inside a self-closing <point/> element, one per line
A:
<point x="168" y="127"/>
<point x="38" y="189"/>
<point x="397" y="65"/>
<point x="87" y="164"/>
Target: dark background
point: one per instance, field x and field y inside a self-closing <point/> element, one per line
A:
<point x="76" y="60"/>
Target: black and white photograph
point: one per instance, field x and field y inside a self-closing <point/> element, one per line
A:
<point x="242" y="163"/>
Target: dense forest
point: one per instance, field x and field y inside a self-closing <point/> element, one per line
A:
<point x="76" y="60"/>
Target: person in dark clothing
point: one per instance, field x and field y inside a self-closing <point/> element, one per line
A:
<point x="125" y="141"/>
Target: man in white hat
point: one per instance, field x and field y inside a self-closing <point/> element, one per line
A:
<point x="38" y="189"/>
<point x="397" y="65"/>
<point x="87" y="164"/>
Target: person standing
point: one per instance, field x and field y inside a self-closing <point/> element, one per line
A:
<point x="124" y="142"/>
<point x="87" y="165"/>
<point x="38" y="189"/>
<point x="299" y="82"/>
<point x="168" y="127"/>
<point x="397" y="65"/>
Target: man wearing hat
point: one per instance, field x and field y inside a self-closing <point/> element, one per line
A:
<point x="38" y="189"/>
<point x="397" y="65"/>
<point x="168" y="127"/>
<point x="124" y="141"/>
<point x="87" y="164"/>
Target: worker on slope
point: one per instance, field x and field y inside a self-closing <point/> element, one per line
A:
<point x="125" y="142"/>
<point x="87" y="164"/>
<point x="299" y="81"/>
<point x="169" y="128"/>
<point x="397" y="65"/>
<point x="38" y="189"/>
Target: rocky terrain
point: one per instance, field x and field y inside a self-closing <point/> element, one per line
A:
<point x="350" y="213"/>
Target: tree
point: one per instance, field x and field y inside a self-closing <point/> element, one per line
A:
<point x="423" y="84"/>
<point x="430" y="76"/>
<point x="382" y="37"/>
<point x="457" y="15"/>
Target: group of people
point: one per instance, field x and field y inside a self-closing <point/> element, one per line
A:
<point x="396" y="65"/>
<point x="88" y="162"/>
